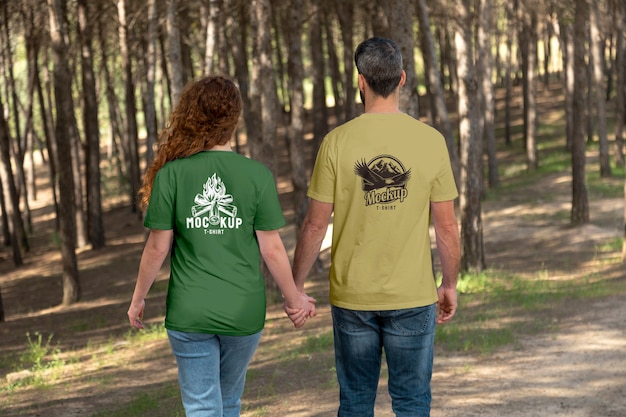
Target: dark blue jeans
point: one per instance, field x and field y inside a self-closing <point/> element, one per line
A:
<point x="407" y="337"/>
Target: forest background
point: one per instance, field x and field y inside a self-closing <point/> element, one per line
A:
<point x="87" y="86"/>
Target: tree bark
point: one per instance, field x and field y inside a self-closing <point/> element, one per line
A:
<point x="620" y="100"/>
<point x="320" y="110"/>
<point x="8" y="185"/>
<point x="620" y="85"/>
<point x="62" y="79"/>
<point x="175" y="54"/>
<point x="473" y="257"/>
<point x="296" y="127"/>
<point x="149" y="100"/>
<point x="130" y="107"/>
<point x="580" y="202"/>
<point x="333" y="64"/>
<point x="345" y="14"/>
<point x="485" y="65"/>
<point x="400" y="14"/>
<point x="95" y="226"/>
<point x="567" y="46"/>
<point x="265" y="100"/>
<point x="529" y="69"/>
<point x="598" y="83"/>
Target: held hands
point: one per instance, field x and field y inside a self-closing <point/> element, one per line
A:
<point x="447" y="304"/>
<point x="300" y="310"/>
<point x="135" y="313"/>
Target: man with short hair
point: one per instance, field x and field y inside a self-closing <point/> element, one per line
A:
<point x="384" y="175"/>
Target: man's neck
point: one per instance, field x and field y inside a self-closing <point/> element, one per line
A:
<point x="378" y="104"/>
<point x="382" y="107"/>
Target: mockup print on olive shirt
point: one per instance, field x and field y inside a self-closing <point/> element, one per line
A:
<point x="214" y="201"/>
<point x="381" y="171"/>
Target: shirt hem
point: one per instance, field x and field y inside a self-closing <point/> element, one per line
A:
<point x="212" y="331"/>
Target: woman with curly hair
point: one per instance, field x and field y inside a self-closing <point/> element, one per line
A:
<point x="216" y="213"/>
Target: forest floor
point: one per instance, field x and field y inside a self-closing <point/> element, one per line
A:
<point x="572" y="365"/>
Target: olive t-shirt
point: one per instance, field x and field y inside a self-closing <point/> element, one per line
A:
<point x="381" y="171"/>
<point x="214" y="201"/>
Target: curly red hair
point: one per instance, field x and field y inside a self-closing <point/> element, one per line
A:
<point x="206" y="115"/>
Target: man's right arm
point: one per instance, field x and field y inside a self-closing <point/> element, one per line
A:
<point x="310" y="241"/>
<point x="448" y="247"/>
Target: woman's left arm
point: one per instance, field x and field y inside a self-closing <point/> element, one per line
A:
<point x="275" y="257"/>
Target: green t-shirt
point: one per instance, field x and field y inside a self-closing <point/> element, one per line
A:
<point x="214" y="201"/>
<point x="381" y="171"/>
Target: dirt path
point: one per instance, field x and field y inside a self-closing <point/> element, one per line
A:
<point x="576" y="369"/>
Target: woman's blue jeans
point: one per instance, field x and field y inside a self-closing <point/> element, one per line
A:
<point x="407" y="337"/>
<point x="212" y="371"/>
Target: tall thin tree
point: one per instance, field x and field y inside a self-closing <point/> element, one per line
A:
<point x="295" y="72"/>
<point x="580" y="199"/>
<point x="95" y="225"/>
<point x="8" y="185"/>
<point x="597" y="50"/>
<point x="62" y="79"/>
<point x="131" y="136"/>
<point x="473" y="257"/>
<point x="175" y="54"/>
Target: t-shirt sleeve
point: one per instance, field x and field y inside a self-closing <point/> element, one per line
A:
<point x="322" y="187"/>
<point x="160" y="212"/>
<point x="444" y="186"/>
<point x="269" y="214"/>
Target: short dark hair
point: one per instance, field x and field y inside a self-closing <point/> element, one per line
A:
<point x="379" y="60"/>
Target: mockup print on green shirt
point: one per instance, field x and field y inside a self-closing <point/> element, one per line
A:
<point x="214" y="201"/>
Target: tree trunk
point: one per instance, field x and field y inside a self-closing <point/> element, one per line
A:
<point x="213" y="13"/>
<point x="320" y="111"/>
<point x="116" y="154"/>
<point x="265" y="101"/>
<point x="296" y="127"/>
<point x="333" y="64"/>
<point x="8" y="185"/>
<point x="473" y="257"/>
<point x="508" y="87"/>
<point x="429" y="53"/>
<point x="175" y="54"/>
<point x="62" y="79"/>
<point x="400" y="14"/>
<point x="567" y="46"/>
<point x="580" y="202"/>
<point x="14" y="104"/>
<point x="598" y="83"/>
<point x="130" y="105"/>
<point x="345" y="13"/>
<point x="237" y="39"/>
<point x="48" y="122"/>
<point x="485" y="64"/>
<point x="149" y="100"/>
<point x="620" y="87"/>
<point x="95" y="226"/>
<point x="529" y="69"/>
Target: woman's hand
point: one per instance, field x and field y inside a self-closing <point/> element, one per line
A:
<point x="135" y="313"/>
<point x="299" y="310"/>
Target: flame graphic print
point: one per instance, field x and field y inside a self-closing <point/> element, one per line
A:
<point x="214" y="200"/>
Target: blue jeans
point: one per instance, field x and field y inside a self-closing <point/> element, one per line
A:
<point x="407" y="336"/>
<point x="212" y="371"/>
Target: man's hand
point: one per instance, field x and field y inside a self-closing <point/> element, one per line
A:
<point x="447" y="304"/>
<point x="299" y="313"/>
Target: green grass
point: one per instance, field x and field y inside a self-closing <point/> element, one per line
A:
<point x="165" y="401"/>
<point x="497" y="309"/>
